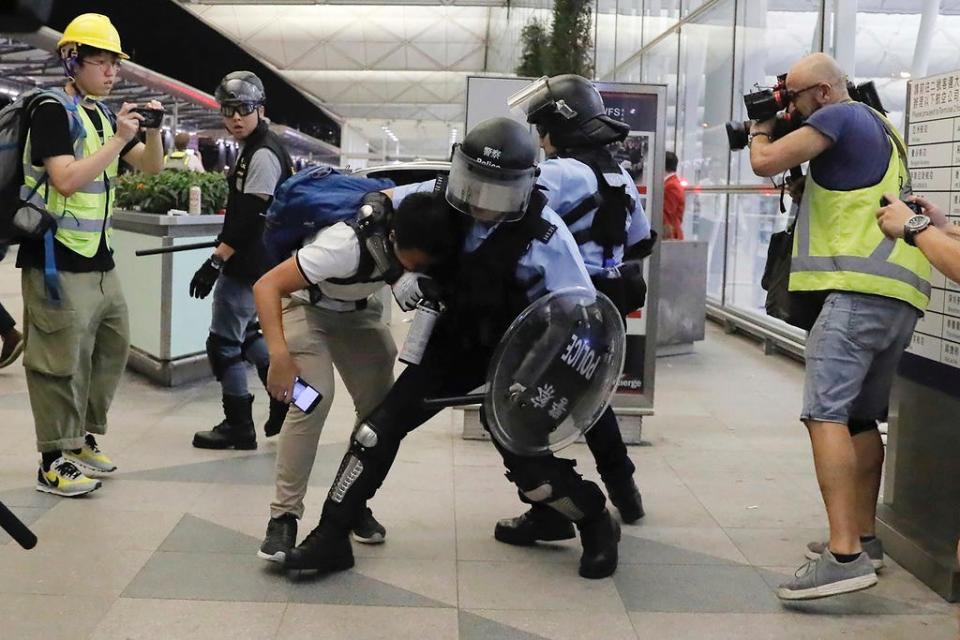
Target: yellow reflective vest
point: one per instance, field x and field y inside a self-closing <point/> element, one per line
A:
<point x="84" y="217"/>
<point x="838" y="245"/>
<point x="177" y="160"/>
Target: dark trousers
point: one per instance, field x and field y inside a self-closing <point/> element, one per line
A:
<point x="444" y="371"/>
<point x="7" y="322"/>
<point x="608" y="449"/>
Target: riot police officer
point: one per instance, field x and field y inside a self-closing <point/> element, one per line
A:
<point x="515" y="249"/>
<point x="599" y="202"/>
<point x="238" y="261"/>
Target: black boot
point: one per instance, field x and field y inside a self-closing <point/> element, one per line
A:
<point x="278" y="410"/>
<point x="326" y="549"/>
<point x="537" y="524"/>
<point x="626" y="498"/>
<point x="235" y="432"/>
<point x="599" y="537"/>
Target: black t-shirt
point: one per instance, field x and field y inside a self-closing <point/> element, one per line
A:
<point x="50" y="137"/>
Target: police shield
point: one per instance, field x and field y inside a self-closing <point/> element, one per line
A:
<point x="554" y="371"/>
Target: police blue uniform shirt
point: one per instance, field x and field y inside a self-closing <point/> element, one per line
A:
<point x="555" y="264"/>
<point x="566" y="183"/>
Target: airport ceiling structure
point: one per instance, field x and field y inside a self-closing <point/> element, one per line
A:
<point x="380" y="64"/>
<point x="395" y="70"/>
<point x="401" y="65"/>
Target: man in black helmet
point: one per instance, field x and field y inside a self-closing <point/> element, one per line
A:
<point x="598" y="201"/>
<point x="515" y="249"/>
<point x="237" y="263"/>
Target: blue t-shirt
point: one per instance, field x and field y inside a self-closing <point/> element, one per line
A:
<point x="860" y="153"/>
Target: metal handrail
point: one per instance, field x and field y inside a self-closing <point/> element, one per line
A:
<point x="762" y="189"/>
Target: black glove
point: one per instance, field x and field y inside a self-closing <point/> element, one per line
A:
<point x="205" y="277"/>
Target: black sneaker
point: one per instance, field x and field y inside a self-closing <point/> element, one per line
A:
<point x="324" y="549"/>
<point x="625" y="496"/>
<point x="368" y="530"/>
<point x="281" y="537"/>
<point x="536" y="525"/>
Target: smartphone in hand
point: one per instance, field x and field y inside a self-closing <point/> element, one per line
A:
<point x="305" y="397"/>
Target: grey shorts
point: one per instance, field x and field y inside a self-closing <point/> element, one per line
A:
<point x="852" y="354"/>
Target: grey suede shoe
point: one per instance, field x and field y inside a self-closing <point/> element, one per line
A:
<point x="825" y="576"/>
<point x="874" y="549"/>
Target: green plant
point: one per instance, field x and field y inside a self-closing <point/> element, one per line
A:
<point x="536" y="45"/>
<point x="171" y="190"/>
<point x="565" y="46"/>
<point x="571" y="44"/>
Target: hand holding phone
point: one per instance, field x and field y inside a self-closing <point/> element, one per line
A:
<point x="913" y="206"/>
<point x="305" y="397"/>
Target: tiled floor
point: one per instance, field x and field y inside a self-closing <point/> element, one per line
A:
<point x="166" y="549"/>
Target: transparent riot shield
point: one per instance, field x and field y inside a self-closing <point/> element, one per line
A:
<point x="554" y="371"/>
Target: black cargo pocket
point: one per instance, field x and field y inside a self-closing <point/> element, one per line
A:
<point x="53" y="341"/>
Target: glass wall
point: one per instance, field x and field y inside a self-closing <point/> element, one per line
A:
<point x="709" y="53"/>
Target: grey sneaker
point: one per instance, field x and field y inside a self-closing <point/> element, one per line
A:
<point x="874" y="549"/>
<point x="825" y="576"/>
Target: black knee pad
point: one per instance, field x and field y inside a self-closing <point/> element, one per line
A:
<point x="857" y="426"/>
<point x="252" y="337"/>
<point x="219" y="354"/>
<point x="553" y="483"/>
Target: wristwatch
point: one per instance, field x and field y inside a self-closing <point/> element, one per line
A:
<point x="913" y="226"/>
<point x="751" y="136"/>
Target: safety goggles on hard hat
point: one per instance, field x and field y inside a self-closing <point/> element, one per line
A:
<point x="535" y="101"/>
<point x="243" y="108"/>
<point x="489" y="193"/>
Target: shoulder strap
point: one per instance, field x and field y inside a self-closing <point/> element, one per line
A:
<point x="897" y="140"/>
<point x="74" y="123"/>
<point x="613" y="203"/>
<point x="366" y="233"/>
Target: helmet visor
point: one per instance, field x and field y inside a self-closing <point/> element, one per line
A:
<point x="534" y="102"/>
<point x="489" y="194"/>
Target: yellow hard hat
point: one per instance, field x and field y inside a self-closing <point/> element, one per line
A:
<point x="93" y="30"/>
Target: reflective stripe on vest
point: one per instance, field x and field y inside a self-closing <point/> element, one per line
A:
<point x="838" y="245"/>
<point x="83" y="217"/>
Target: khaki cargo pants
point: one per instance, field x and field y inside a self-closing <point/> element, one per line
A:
<point x="359" y="344"/>
<point x="75" y="354"/>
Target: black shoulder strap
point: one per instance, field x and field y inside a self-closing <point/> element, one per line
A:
<point x="367" y="265"/>
<point x="612" y="203"/>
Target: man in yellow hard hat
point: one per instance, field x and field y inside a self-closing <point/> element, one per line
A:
<point x="75" y="315"/>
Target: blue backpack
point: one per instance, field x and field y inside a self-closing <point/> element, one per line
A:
<point x="310" y="201"/>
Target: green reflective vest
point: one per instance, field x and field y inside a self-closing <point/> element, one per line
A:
<point x="838" y="245"/>
<point x="84" y="217"/>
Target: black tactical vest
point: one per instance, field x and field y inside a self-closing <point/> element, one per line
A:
<point x="485" y="295"/>
<point x="250" y="262"/>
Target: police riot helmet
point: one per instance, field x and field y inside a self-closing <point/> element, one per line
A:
<point x="570" y="109"/>
<point x="240" y="88"/>
<point x="493" y="171"/>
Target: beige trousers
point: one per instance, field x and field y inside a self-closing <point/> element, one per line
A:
<point x="359" y="344"/>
